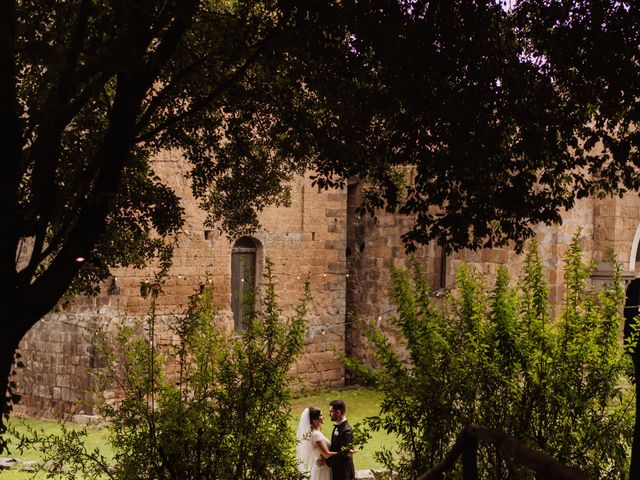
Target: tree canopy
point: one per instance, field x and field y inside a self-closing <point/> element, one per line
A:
<point x="479" y="119"/>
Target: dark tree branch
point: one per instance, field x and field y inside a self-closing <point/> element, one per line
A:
<point x="91" y="224"/>
<point x="175" y="33"/>
<point x="67" y="82"/>
<point x="539" y="462"/>
<point x="163" y="53"/>
<point x="46" y="148"/>
<point x="25" y="276"/>
<point x="157" y="99"/>
<point x="82" y="98"/>
<point x="63" y="116"/>
<point x="206" y="101"/>
<point x="56" y="107"/>
<point x="10" y="139"/>
<point x="68" y="220"/>
<point x="131" y="89"/>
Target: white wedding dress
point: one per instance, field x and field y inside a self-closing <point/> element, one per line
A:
<point x="323" y="472"/>
<point x="308" y="452"/>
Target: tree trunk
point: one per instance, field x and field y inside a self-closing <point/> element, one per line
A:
<point x="8" y="347"/>
<point x="470" y="459"/>
<point x="20" y="312"/>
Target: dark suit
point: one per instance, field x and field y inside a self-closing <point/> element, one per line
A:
<point x="341" y="464"/>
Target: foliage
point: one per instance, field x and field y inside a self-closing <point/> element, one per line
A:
<point x="482" y="107"/>
<point x="224" y="413"/>
<point x="362" y="402"/>
<point x="601" y="69"/>
<point x="253" y="92"/>
<point x="494" y="357"/>
<point x="63" y="454"/>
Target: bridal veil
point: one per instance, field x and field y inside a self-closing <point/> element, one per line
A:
<point x="304" y="450"/>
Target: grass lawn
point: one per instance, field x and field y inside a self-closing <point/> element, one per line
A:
<point x="96" y="437"/>
<point x="360" y="403"/>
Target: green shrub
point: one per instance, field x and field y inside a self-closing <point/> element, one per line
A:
<point x="493" y="356"/>
<point x="222" y="414"/>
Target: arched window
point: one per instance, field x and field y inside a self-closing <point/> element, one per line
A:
<point x="634" y="258"/>
<point x="243" y="279"/>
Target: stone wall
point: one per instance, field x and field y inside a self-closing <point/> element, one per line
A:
<point x="57" y="354"/>
<point x="305" y="241"/>
<point x="374" y="245"/>
<point x="318" y="239"/>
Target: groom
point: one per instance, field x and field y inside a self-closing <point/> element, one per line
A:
<point x="341" y="438"/>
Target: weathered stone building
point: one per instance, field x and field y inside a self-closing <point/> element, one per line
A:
<point x="305" y="242"/>
<point x="319" y="239"/>
<point x="374" y="244"/>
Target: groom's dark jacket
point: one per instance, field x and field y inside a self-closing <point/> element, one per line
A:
<point x="341" y="464"/>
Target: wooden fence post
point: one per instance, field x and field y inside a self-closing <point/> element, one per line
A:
<point x="466" y="446"/>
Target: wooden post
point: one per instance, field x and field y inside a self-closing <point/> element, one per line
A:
<point x="466" y="446"/>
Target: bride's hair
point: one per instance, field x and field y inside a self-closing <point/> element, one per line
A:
<point x="314" y="414"/>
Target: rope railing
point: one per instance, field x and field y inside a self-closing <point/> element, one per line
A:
<point x="466" y="446"/>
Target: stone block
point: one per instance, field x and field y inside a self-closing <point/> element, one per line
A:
<point x="84" y="419"/>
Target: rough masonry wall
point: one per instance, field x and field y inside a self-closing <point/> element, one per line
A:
<point x="373" y="245"/>
<point x="319" y="239"/>
<point x="305" y="242"/>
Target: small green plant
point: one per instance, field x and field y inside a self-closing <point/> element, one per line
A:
<point x="222" y="413"/>
<point x="493" y="356"/>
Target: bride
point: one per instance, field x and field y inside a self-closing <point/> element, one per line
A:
<point x="312" y="445"/>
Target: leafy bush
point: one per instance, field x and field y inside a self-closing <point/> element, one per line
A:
<point x="222" y="414"/>
<point x="493" y="356"/>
